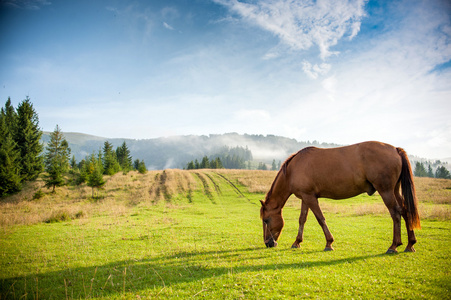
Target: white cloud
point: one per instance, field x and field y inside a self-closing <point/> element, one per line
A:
<point x="302" y="24"/>
<point x="26" y="4"/>
<point x="167" y="26"/>
<point x="313" y="71"/>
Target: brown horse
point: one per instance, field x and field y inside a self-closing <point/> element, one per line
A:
<point x="340" y="173"/>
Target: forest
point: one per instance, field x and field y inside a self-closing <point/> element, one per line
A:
<point x="23" y="156"/>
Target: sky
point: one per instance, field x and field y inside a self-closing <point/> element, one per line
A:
<point x="342" y="71"/>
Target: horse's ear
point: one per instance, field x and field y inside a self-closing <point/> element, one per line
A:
<point x="263" y="203"/>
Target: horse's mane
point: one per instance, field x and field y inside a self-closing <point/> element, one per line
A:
<point x="283" y="170"/>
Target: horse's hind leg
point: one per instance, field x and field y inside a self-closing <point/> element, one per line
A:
<point x="410" y="232"/>
<point x="302" y="219"/>
<point x="395" y="213"/>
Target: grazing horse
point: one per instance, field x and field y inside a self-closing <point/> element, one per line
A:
<point x="339" y="173"/>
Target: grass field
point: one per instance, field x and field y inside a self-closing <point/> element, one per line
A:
<point x="197" y="234"/>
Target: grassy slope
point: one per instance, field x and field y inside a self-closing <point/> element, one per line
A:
<point x="198" y="234"/>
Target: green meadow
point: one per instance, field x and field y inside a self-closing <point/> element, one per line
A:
<point x="197" y="234"/>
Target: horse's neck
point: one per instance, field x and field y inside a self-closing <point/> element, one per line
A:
<point x="280" y="193"/>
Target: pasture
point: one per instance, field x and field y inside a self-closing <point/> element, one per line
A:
<point x="197" y="234"/>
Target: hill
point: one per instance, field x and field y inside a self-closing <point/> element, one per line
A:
<point x="177" y="151"/>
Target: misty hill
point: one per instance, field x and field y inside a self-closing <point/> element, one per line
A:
<point x="177" y="151"/>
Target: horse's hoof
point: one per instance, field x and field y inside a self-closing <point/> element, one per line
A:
<point x="391" y="251"/>
<point x="295" y="246"/>
<point x="328" y="249"/>
<point x="409" y="249"/>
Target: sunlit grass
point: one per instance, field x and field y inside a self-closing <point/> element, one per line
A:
<point x="127" y="244"/>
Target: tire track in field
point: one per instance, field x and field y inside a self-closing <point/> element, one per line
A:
<point x="218" y="190"/>
<point x="235" y="188"/>
<point x="206" y="187"/>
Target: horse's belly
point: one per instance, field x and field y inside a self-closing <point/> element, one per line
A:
<point x="345" y="189"/>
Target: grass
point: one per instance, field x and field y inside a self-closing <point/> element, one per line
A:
<point x="201" y="237"/>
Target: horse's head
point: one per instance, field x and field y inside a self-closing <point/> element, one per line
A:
<point x="272" y="224"/>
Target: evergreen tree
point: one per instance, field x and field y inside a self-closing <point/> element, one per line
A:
<point x="124" y="158"/>
<point x="142" y="167"/>
<point x="110" y="164"/>
<point x="73" y="163"/>
<point x="420" y="171"/>
<point x="83" y="173"/>
<point x="262" y="166"/>
<point x="94" y="173"/>
<point x="205" y="164"/>
<point x="190" y="166"/>
<point x="27" y="137"/>
<point x="56" y="159"/>
<point x="274" y="166"/>
<point x="10" y="116"/>
<point x="9" y="156"/>
<point x="218" y="163"/>
<point x="442" y="172"/>
<point x="135" y="164"/>
<point x="214" y="164"/>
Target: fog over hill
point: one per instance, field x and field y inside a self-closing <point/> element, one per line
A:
<point x="176" y="151"/>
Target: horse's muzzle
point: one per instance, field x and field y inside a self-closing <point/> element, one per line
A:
<point x="270" y="243"/>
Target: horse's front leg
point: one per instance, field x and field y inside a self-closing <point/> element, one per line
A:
<point x="314" y="206"/>
<point x="302" y="219"/>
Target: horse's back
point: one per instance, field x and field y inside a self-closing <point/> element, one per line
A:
<point x="346" y="171"/>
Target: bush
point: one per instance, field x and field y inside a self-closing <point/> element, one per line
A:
<point x="59" y="216"/>
<point x="38" y="195"/>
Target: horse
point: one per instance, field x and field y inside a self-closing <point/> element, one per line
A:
<point x="340" y="173"/>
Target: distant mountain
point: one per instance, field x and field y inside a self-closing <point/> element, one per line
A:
<point x="177" y="151"/>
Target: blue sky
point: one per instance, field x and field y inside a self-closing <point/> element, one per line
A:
<point x="338" y="71"/>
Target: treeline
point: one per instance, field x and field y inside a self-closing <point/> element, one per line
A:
<point x="274" y="167"/>
<point x="205" y="164"/>
<point x="440" y="171"/>
<point x="225" y="158"/>
<point x="231" y="158"/>
<point x="22" y="158"/>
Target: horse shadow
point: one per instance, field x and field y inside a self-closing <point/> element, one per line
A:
<point x="157" y="272"/>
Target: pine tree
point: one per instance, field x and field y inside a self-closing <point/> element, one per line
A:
<point x="142" y="167"/>
<point x="205" y="164"/>
<point x="420" y="170"/>
<point x="56" y="159"/>
<point x="124" y="158"/>
<point x="274" y="166"/>
<point x="262" y="166"/>
<point x="83" y="172"/>
<point x="110" y="164"/>
<point x="10" y="116"/>
<point x="73" y="163"/>
<point x="94" y="173"/>
<point x="442" y="172"/>
<point x="196" y="164"/>
<point x="27" y="137"/>
<point x="190" y="165"/>
<point x="218" y="163"/>
<point x="9" y="156"/>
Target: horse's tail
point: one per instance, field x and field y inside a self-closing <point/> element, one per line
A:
<point x="408" y="191"/>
